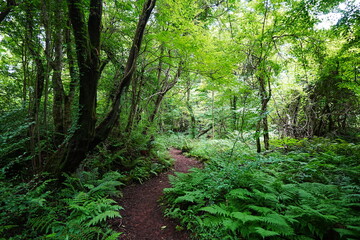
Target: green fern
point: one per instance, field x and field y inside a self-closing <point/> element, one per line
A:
<point x="296" y="195"/>
<point x="265" y="233"/>
<point x="83" y="209"/>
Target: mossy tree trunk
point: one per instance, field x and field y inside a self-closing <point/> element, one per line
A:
<point x="87" y="41"/>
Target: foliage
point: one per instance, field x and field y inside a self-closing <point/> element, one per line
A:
<point x="14" y="142"/>
<point x="311" y="192"/>
<point x="78" y="210"/>
<point x="137" y="158"/>
<point x="224" y="72"/>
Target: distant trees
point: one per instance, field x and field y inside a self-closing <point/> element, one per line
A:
<point x="287" y="77"/>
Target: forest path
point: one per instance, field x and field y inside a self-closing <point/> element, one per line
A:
<point x="142" y="217"/>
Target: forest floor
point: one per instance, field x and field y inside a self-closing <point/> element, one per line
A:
<point x="142" y="217"/>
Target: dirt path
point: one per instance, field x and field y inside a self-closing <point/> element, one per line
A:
<point x="142" y="218"/>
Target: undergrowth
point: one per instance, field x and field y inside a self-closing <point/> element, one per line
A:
<point x="80" y="207"/>
<point x="137" y="158"/>
<point x="308" y="189"/>
<point x="78" y="210"/>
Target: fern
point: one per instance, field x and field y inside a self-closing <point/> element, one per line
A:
<point x="245" y="217"/>
<point x="299" y="195"/>
<point x="102" y="217"/>
<point x="265" y="233"/>
<point x="83" y="209"/>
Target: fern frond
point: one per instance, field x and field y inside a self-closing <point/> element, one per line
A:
<point x="216" y="210"/>
<point x="275" y="219"/>
<point x="260" y="210"/>
<point x="194" y="196"/>
<point x="4" y="228"/>
<point x="42" y="223"/>
<point x="268" y="197"/>
<point x="108" y="187"/>
<point x="231" y="224"/>
<point x="103" y="217"/>
<point x="265" y="233"/>
<point x="244" y="217"/>
<point x="113" y="236"/>
<point x="241" y="193"/>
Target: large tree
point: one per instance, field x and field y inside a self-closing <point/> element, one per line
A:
<point x="88" y="48"/>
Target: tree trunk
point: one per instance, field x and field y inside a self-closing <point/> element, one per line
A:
<point x="265" y="98"/>
<point x="45" y="9"/>
<point x="87" y="41"/>
<point x="135" y="99"/>
<point x="74" y="77"/>
<point x="257" y="136"/>
<point x="105" y="127"/>
<point x="34" y="48"/>
<point x="191" y="112"/>
<point x="233" y="106"/>
<point x="58" y="89"/>
<point x="160" y="96"/>
<point x="10" y="4"/>
<point x="295" y="115"/>
<point x="212" y="113"/>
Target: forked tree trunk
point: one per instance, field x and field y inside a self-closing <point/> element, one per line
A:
<point x="105" y="127"/>
<point x="87" y="40"/>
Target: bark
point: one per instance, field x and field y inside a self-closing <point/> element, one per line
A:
<point x="205" y="131"/>
<point x="191" y="112"/>
<point x="135" y="100"/>
<point x="257" y="136"/>
<point x="58" y="88"/>
<point x="45" y="9"/>
<point x="105" y="127"/>
<point x="294" y="120"/>
<point x="73" y="78"/>
<point x="160" y="96"/>
<point x="233" y="106"/>
<point x="34" y="48"/>
<point x="265" y="96"/>
<point x="87" y="40"/>
<point x="25" y="68"/>
<point x="212" y="113"/>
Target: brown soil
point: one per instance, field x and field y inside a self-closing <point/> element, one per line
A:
<point x="142" y="217"/>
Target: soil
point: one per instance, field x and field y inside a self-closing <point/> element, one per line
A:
<point x="142" y="217"/>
